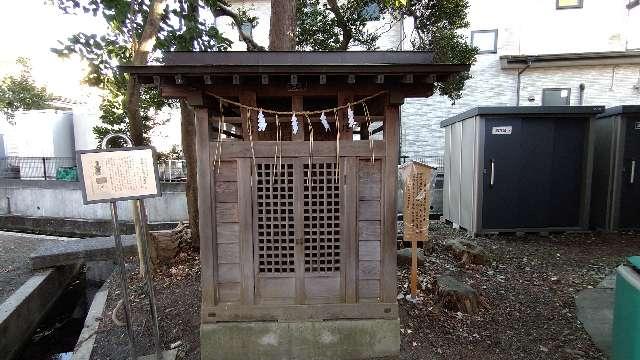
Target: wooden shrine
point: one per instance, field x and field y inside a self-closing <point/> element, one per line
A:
<point x="297" y="227"/>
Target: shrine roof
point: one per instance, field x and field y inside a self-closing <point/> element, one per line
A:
<point x="298" y="62"/>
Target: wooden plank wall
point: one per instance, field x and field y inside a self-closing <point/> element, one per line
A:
<point x="227" y="232"/>
<point x="369" y="229"/>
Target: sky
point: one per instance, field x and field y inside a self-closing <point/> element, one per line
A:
<point x="35" y="27"/>
<point x="30" y="28"/>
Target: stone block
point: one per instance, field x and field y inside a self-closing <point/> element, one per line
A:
<point x="333" y="339"/>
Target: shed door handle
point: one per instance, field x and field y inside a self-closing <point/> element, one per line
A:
<point x="633" y="172"/>
<point x="493" y="173"/>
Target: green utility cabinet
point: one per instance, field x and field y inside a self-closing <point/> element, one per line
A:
<point x="626" y="313"/>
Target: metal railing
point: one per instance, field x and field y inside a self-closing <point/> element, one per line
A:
<point x="64" y="168"/>
<point x="436" y="161"/>
<point x="173" y="170"/>
<point x="35" y="168"/>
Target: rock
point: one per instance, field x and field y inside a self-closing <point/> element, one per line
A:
<point x="467" y="251"/>
<point x="404" y="257"/>
<point x="456" y="295"/>
<point x="163" y="246"/>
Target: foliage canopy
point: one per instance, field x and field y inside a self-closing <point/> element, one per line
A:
<point x="333" y="25"/>
<point x="19" y="92"/>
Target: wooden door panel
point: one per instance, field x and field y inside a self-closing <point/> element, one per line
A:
<point x="274" y="231"/>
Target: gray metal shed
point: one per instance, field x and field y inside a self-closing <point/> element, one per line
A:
<point x="518" y="168"/>
<point x="616" y="185"/>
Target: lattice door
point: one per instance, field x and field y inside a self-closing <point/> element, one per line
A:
<point x="297" y="239"/>
<point x="321" y="218"/>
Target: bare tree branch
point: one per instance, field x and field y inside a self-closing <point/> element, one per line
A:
<point x="347" y="34"/>
<point x="228" y="11"/>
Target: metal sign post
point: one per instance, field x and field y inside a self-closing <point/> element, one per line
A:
<point x="112" y="175"/>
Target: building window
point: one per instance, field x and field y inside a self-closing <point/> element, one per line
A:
<point x="568" y="4"/>
<point x="485" y="40"/>
<point x="556" y="97"/>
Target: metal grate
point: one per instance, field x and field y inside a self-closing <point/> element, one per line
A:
<point x="321" y="218"/>
<point x="275" y="210"/>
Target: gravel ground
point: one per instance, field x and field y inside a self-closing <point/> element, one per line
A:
<point x="177" y="290"/>
<point x="528" y="290"/>
<point x="15" y="266"/>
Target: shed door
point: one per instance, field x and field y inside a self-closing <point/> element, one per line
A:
<point x="535" y="173"/>
<point x="630" y="187"/>
<point x="297" y="239"/>
<point x="501" y="173"/>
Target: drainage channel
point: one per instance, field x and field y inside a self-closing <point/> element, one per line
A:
<point x="58" y="331"/>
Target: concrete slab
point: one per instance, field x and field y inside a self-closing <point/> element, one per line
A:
<point x="608" y="282"/>
<point x="87" y="337"/>
<point x="80" y="250"/>
<point x="595" y="312"/>
<point x="166" y="355"/>
<point x="21" y="312"/>
<point x="319" y="340"/>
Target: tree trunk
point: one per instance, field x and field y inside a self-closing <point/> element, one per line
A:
<point x="282" y="33"/>
<point x="189" y="149"/>
<point x="141" y="50"/>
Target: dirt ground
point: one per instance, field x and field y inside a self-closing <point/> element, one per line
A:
<point x="15" y="266"/>
<point x="528" y="288"/>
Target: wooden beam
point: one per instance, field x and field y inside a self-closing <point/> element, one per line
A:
<point x="350" y="230"/>
<point x="247" y="98"/>
<point x="310" y="89"/>
<point x="296" y="105"/>
<point x="245" y="199"/>
<point x="266" y="149"/>
<point x="206" y="201"/>
<point x="234" y="312"/>
<point x="390" y="176"/>
<point x="227" y="132"/>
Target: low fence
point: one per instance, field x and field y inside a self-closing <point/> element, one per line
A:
<point x="35" y="168"/>
<point x="64" y="168"/>
<point x="436" y="161"/>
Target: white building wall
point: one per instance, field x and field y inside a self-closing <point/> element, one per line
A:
<point x="40" y="133"/>
<point x="604" y="85"/>
<point x="534" y="28"/>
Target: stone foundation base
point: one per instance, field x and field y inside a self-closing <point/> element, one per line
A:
<point x="306" y="340"/>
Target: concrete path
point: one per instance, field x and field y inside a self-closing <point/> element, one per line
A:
<point x="15" y="265"/>
<point x="80" y="250"/>
<point x="595" y="312"/>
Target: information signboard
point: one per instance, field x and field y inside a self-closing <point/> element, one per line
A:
<point x="110" y="175"/>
